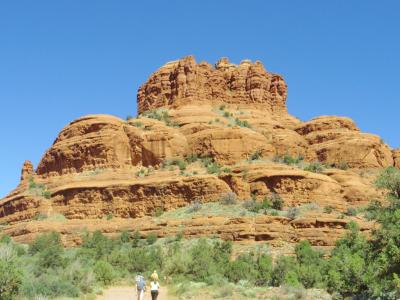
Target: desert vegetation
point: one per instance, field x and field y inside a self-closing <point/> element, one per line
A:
<point x="357" y="267"/>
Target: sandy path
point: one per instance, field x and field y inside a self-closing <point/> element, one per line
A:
<point x="129" y="293"/>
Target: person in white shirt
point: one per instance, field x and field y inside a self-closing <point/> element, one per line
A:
<point x="154" y="287"/>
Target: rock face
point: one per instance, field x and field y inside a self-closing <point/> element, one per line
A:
<point x="203" y="131"/>
<point x="338" y="141"/>
<point x="27" y="170"/>
<point x="184" y="81"/>
<point x="396" y="157"/>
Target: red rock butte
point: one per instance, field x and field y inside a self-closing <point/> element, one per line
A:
<point x="234" y="115"/>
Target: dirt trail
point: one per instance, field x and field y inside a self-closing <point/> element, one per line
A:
<point x="129" y="293"/>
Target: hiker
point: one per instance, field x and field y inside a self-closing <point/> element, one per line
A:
<point x="154" y="276"/>
<point x="154" y="287"/>
<point x="140" y="287"/>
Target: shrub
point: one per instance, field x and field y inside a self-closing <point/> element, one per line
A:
<point x="389" y="179"/>
<point x="196" y="206"/>
<point x="289" y="160"/>
<point x="351" y="211"/>
<point x="229" y="198"/>
<point x="44" y="241"/>
<point x="328" y="209"/>
<point x="136" y="239"/>
<point x="46" y="194"/>
<point x="315" y="167"/>
<point x="137" y="124"/>
<point x="5" y="239"/>
<point x="10" y="280"/>
<point x="341" y="165"/>
<point x="104" y="272"/>
<point x="128" y="117"/>
<point x="124" y="237"/>
<point x="292" y="213"/>
<point x="373" y="210"/>
<point x="284" y="271"/>
<point x="244" y="123"/>
<point x="213" y="168"/>
<point x="109" y="217"/>
<point x="276" y="201"/>
<point x="254" y="206"/>
<point x="158" y="212"/>
<point x="151" y="238"/>
<point x="191" y="158"/>
<point x="256" y="155"/>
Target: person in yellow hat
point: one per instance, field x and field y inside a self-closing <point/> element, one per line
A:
<point x="154" y="276"/>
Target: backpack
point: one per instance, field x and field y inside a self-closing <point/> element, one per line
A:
<point x="140" y="284"/>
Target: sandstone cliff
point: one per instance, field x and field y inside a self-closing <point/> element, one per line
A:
<point x="202" y="131"/>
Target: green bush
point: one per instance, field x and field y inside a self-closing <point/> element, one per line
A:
<point x="158" y="212"/>
<point x="229" y="198"/>
<point x="315" y="167"/>
<point x="104" y="272"/>
<point x="285" y="271"/>
<point x="389" y="179"/>
<point x="151" y="239"/>
<point x="10" y="279"/>
<point x="191" y="158"/>
<point x="256" y="155"/>
<point x="292" y="213"/>
<point x="290" y="160"/>
<point x="328" y="209"/>
<point x="241" y="123"/>
<point x="276" y="201"/>
<point x="351" y="211"/>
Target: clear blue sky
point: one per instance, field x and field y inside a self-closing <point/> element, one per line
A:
<point x="63" y="59"/>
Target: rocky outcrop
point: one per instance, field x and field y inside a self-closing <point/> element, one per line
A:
<point x="193" y="115"/>
<point x="89" y="143"/>
<point x="396" y="157"/>
<point x="337" y="141"/>
<point x="321" y="231"/>
<point x="186" y="82"/>
<point x="27" y="170"/>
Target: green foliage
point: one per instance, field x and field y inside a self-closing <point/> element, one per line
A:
<point x="175" y="162"/>
<point x="151" y="238"/>
<point x="137" y="124"/>
<point x="229" y="198"/>
<point x="341" y="165"/>
<point x="285" y="271"/>
<point x="292" y="213"/>
<point x="195" y="207"/>
<point x="290" y="160"/>
<point x="109" y="216"/>
<point x="104" y="272"/>
<point x="10" y="279"/>
<point x="191" y="158"/>
<point x="315" y="167"/>
<point x="43" y="241"/>
<point x="160" y="115"/>
<point x="136" y="239"/>
<point x="38" y="189"/>
<point x="256" y="155"/>
<point x="328" y="209"/>
<point x="276" y="201"/>
<point x="241" y="123"/>
<point x="254" y="206"/>
<point x="389" y="179"/>
<point x="311" y="265"/>
<point x="351" y="211"/>
<point x="158" y="212"/>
